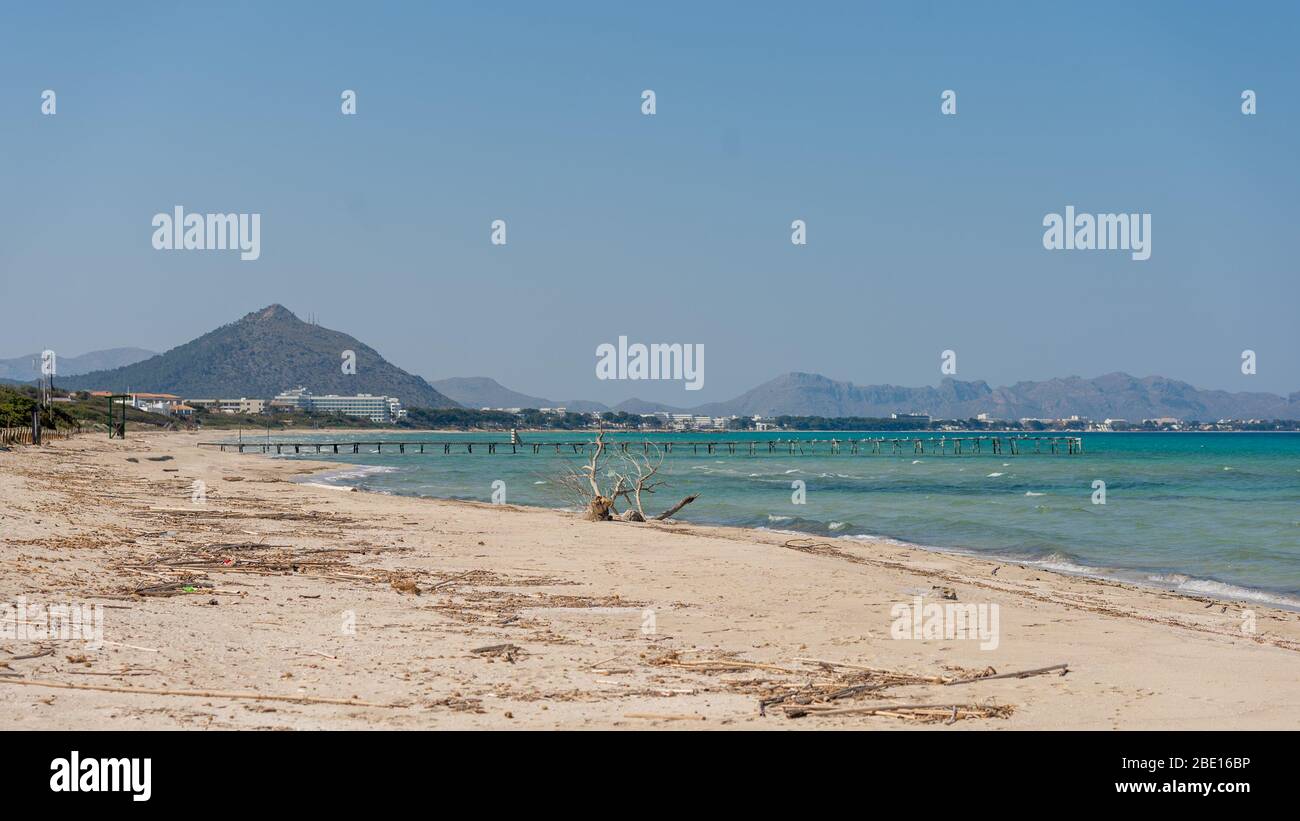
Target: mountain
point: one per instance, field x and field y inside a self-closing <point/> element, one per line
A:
<point x="26" y="368"/>
<point x="584" y="406"/>
<point x="484" y="392"/>
<point x="261" y="355"/>
<point x="271" y="350"/>
<point x="1114" y="395"/>
<point x="643" y="407"/>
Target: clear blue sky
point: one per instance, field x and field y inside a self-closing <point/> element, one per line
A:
<point x="924" y="231"/>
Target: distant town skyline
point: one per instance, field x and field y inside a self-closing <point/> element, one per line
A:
<point x="925" y="231"/>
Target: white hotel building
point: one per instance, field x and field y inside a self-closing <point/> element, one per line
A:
<point x="369" y="406"/>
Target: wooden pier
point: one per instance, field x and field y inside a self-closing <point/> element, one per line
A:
<point x="883" y="446"/>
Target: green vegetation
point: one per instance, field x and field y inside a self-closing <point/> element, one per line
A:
<point x="629" y="420"/>
<point x="843" y="423"/>
<point x="279" y="421"/>
<point x="16" y="405"/>
<point x="460" y="418"/>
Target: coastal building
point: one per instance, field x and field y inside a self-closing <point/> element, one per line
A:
<point x="153" y="402"/>
<point x="1162" y="421"/>
<point x="691" y="421"/>
<point x="922" y="419"/>
<point x="367" y="406"/>
<point x="374" y="408"/>
<point x="242" y="405"/>
<point x="293" y="399"/>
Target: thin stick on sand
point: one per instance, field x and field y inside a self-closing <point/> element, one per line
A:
<point x="151" y="691"/>
<point x="664" y="717"/>
<point x="1064" y="668"/>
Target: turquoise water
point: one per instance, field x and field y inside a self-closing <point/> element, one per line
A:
<point x="1207" y="513"/>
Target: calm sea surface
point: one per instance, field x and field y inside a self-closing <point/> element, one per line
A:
<point x="1209" y="513"/>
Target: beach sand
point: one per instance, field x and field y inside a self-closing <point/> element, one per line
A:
<point x="302" y="591"/>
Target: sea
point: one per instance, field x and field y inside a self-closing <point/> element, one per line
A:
<point x="1212" y="514"/>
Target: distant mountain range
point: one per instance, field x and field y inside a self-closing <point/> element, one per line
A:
<point x="26" y="368"/>
<point x="485" y="392"/>
<point x="261" y="355"/>
<point x="1113" y="396"/>
<point x="271" y="350"/>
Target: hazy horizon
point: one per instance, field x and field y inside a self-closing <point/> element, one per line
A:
<point x="690" y="402"/>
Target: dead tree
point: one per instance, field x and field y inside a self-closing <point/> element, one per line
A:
<point x="629" y="476"/>
<point x="637" y="474"/>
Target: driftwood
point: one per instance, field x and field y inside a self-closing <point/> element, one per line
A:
<point x="32" y="655"/>
<point x="1038" y="671"/>
<point x="824" y="689"/>
<point x="948" y="713"/>
<point x="153" y="691"/>
<point x="631" y="476"/>
<point x="909" y="678"/>
<point x="1064" y="668"/>
<point x="173" y="588"/>
<point x="683" y="503"/>
<point x="506" y="651"/>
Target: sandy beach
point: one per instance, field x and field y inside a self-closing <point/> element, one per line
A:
<point x="273" y="604"/>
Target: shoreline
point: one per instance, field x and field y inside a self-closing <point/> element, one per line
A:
<point x="468" y="614"/>
<point x="1255" y="597"/>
